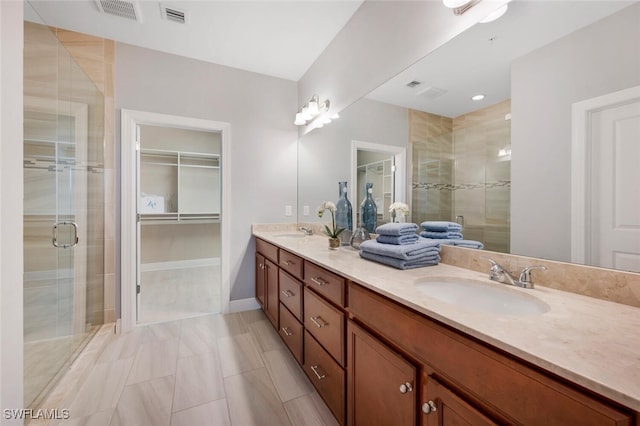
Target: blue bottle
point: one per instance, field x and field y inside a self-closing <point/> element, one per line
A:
<point x="368" y="210"/>
<point x="344" y="214"/>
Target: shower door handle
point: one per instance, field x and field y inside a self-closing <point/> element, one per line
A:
<point x="54" y="238"/>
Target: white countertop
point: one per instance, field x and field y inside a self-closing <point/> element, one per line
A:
<point x="591" y="342"/>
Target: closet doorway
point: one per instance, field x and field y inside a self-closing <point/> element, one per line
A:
<point x="176" y="207"/>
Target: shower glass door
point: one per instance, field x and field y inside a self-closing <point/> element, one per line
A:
<point x="63" y="211"/>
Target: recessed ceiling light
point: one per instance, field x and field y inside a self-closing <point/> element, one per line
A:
<point x="478" y="97"/>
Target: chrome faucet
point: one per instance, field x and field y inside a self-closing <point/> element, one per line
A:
<point x="306" y="231"/>
<point x="501" y="275"/>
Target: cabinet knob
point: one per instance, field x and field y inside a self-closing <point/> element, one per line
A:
<point x="406" y="387"/>
<point x="429" y="407"/>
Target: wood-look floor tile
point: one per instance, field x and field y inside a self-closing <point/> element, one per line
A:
<point x="253" y="400"/>
<point x="145" y="404"/>
<point x="239" y="354"/>
<point x="228" y="325"/>
<point x="198" y="380"/>
<point x="309" y="410"/>
<point x="154" y="360"/>
<point x="161" y="331"/>
<point x="266" y="336"/>
<point x="253" y="315"/>
<point x="197" y="336"/>
<point x="102" y="388"/>
<point x="212" y="413"/>
<point x="101" y="418"/>
<point x="122" y="346"/>
<point x="289" y="379"/>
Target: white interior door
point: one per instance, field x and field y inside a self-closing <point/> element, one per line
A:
<point x="615" y="182"/>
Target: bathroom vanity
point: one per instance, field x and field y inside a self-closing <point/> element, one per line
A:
<point x="383" y="347"/>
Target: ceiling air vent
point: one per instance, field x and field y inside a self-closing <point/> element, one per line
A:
<point x="174" y="15"/>
<point x="121" y="8"/>
<point x="431" y="92"/>
<point x="413" y="84"/>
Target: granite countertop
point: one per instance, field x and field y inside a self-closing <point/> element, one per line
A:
<point x="588" y="341"/>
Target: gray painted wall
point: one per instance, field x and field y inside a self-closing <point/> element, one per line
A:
<point x="260" y="110"/>
<point x="599" y="59"/>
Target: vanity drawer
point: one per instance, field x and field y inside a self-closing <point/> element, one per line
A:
<point x="484" y="375"/>
<point x="327" y="283"/>
<point x="291" y="294"/>
<point x="291" y="332"/>
<point x="326" y="375"/>
<point x="291" y="263"/>
<point x="267" y="250"/>
<point x="326" y="323"/>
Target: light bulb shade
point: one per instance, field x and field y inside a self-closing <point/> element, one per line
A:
<point x="305" y="114"/>
<point x="326" y="120"/>
<point x="454" y="4"/>
<point x="300" y="121"/>
<point x="335" y="116"/>
<point x="313" y="107"/>
<point x="494" y="15"/>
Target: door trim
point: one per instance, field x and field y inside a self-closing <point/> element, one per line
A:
<point x="581" y="166"/>
<point x="130" y="119"/>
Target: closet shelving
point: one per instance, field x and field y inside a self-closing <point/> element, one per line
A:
<point x="179" y="186"/>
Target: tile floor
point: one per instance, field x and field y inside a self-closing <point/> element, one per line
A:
<point x="209" y="370"/>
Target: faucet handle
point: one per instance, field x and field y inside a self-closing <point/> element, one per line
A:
<point x="496" y="270"/>
<point x="525" y="275"/>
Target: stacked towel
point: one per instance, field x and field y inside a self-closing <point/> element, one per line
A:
<point x="449" y="233"/>
<point x="397" y="233"/>
<point x="441" y="230"/>
<point x="422" y="252"/>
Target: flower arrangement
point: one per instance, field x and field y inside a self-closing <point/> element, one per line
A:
<point x="334" y="231"/>
<point x="398" y="207"/>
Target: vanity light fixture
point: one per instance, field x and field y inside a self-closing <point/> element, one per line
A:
<point x="478" y="97"/>
<point x="315" y="112"/>
<point x="495" y="14"/>
<point x="460" y="6"/>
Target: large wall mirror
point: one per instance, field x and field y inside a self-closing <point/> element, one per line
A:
<point x="502" y="165"/>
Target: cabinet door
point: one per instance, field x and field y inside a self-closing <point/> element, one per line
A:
<point x="271" y="290"/>
<point x="442" y="407"/>
<point x="381" y="386"/>
<point x="260" y="279"/>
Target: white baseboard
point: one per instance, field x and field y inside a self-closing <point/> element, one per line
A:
<point x="243" y="305"/>
<point x="178" y="264"/>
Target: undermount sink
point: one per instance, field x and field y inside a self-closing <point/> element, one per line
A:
<point x="291" y="235"/>
<point x="481" y="296"/>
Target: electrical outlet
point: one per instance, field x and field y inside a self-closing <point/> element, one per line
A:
<point x="305" y="211"/>
<point x="288" y="210"/>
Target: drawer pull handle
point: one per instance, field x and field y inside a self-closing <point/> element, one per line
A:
<point x="429" y="407"/>
<point x="319" y="281"/>
<point x="287" y="262"/>
<point x="314" y="368"/>
<point x="286" y="331"/>
<point x="406" y="387"/>
<point x="318" y="321"/>
<point x="287" y="293"/>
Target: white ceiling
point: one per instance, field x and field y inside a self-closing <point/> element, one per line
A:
<point x="479" y="60"/>
<point x="276" y="38"/>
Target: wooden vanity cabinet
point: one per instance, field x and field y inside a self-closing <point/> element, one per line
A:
<point x="266" y="287"/>
<point x="496" y="384"/>
<point x="382" y="386"/>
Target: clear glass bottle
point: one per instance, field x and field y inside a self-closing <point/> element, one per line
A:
<point x="368" y="209"/>
<point x="344" y="214"/>
<point x="359" y="235"/>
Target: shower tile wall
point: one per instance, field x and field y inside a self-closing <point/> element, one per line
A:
<point x="432" y="171"/>
<point x="483" y="175"/>
<point x="457" y="171"/>
<point x="96" y="57"/>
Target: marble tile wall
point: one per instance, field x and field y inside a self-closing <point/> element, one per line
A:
<point x="96" y="57"/>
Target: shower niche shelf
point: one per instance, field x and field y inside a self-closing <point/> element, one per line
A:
<point x="178" y="186"/>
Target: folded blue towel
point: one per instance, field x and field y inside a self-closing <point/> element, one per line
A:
<point x="462" y="243"/>
<point x="441" y="226"/>
<point x="398" y="240"/>
<point x="441" y="235"/>
<point x="423" y="247"/>
<point x="395" y="229"/>
<point x="419" y="262"/>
